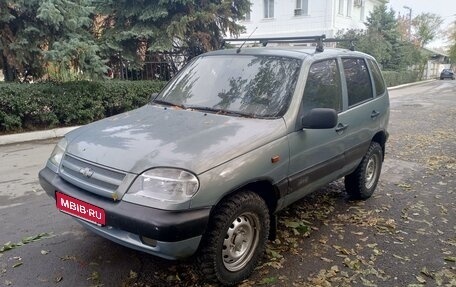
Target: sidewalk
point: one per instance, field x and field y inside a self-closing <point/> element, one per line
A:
<point x="60" y="132"/>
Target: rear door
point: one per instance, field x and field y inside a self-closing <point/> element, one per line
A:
<point x="366" y="107"/>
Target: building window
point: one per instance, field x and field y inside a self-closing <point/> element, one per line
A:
<point x="302" y="7"/>
<point x="349" y="8"/>
<point x="268" y="9"/>
<point x="341" y="7"/>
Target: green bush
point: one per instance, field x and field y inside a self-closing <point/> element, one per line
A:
<point x="48" y="105"/>
<point x="393" y="78"/>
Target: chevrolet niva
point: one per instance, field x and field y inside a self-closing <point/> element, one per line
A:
<point x="235" y="137"/>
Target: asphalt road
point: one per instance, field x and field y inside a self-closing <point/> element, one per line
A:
<point x="405" y="235"/>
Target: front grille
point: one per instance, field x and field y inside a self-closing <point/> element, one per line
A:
<point x="91" y="177"/>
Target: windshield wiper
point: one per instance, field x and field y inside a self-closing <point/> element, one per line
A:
<point x="162" y="102"/>
<point x="219" y="111"/>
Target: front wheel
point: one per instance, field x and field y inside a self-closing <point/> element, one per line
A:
<point x="361" y="183"/>
<point x="236" y="238"/>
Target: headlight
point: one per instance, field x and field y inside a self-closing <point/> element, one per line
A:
<point x="165" y="184"/>
<point x="57" y="153"/>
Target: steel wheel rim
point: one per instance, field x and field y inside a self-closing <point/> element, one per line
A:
<point x="240" y="241"/>
<point x="372" y="171"/>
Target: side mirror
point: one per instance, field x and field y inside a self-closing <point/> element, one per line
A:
<point x="153" y="96"/>
<point x="320" y="118"/>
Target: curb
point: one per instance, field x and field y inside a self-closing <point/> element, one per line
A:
<point x="60" y="132"/>
<point x="32" y="136"/>
<point x="411" y="84"/>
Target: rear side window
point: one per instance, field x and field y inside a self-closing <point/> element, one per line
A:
<point x="359" y="86"/>
<point x="378" y="80"/>
<point x="323" y="87"/>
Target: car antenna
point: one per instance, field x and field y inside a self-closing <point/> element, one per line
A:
<point x="239" y="49"/>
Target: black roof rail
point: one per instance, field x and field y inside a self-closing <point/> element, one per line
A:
<point x="319" y="40"/>
<point x="336" y="40"/>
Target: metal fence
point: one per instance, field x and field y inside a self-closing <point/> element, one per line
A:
<point x="151" y="69"/>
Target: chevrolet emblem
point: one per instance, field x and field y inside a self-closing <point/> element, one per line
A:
<point x="86" y="171"/>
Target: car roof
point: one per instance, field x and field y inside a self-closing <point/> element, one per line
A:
<point x="291" y="52"/>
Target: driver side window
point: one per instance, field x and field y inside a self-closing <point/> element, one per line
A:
<point x="323" y="87"/>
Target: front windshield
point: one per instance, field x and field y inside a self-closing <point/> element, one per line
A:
<point x="257" y="86"/>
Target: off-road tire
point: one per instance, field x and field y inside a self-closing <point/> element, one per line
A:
<point x="232" y="220"/>
<point x="361" y="183"/>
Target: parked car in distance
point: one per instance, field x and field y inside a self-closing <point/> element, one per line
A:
<point x="235" y="137"/>
<point x="447" y="74"/>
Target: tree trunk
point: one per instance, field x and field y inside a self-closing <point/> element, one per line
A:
<point x="8" y="72"/>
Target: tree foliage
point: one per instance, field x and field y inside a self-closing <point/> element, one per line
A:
<point x="452" y="38"/>
<point x="382" y="39"/>
<point x="134" y="28"/>
<point x="426" y="27"/>
<point x="72" y="50"/>
<point x="21" y="35"/>
<point x="39" y="34"/>
<point x="383" y="21"/>
<point x="73" y="39"/>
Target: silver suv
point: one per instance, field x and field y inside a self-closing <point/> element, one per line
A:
<point x="235" y="137"/>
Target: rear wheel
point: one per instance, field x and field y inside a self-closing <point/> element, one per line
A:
<point x="362" y="182"/>
<point x="236" y="238"/>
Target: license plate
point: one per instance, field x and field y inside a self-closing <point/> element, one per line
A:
<point x="80" y="209"/>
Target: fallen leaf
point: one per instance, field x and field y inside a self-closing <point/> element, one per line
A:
<point x="133" y="275"/>
<point x="420" y="279"/>
<point x="9" y="245"/>
<point x="68" y="257"/>
<point x="368" y="283"/>
<point x="268" y="280"/>
<point x="326" y="259"/>
<point x="401" y="258"/>
<point x="427" y="273"/>
<point x="95" y="276"/>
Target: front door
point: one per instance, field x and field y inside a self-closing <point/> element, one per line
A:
<point x="317" y="155"/>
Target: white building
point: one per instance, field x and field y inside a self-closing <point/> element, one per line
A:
<point x="277" y="18"/>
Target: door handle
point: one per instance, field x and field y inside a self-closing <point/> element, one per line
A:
<point x="374" y="114"/>
<point x="341" y="127"/>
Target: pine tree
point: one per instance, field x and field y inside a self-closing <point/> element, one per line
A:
<point x="73" y="52"/>
<point x="40" y="35"/>
<point x="133" y="28"/>
<point x="382" y="39"/>
<point x="383" y="31"/>
<point x="21" y="37"/>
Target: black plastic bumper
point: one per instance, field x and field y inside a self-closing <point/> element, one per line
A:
<point x="161" y="225"/>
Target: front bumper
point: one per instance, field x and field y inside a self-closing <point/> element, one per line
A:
<point x="167" y="234"/>
<point x="446" y="76"/>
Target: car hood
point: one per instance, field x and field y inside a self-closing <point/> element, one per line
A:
<point x="154" y="136"/>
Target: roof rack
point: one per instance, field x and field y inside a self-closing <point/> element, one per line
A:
<point x="319" y="40"/>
